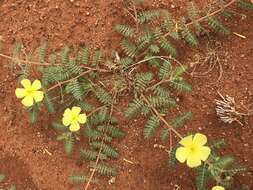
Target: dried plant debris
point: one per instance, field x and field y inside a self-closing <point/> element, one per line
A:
<point x="228" y="111"/>
<point x="214" y="57"/>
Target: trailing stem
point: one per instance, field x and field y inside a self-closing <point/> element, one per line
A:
<point x="161" y="118"/>
<point x="201" y="19"/>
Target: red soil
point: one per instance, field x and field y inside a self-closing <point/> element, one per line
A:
<point x="24" y="147"/>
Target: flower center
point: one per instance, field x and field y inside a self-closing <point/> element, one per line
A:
<point x="29" y="91"/>
<point x="193" y="148"/>
<point x="74" y="117"/>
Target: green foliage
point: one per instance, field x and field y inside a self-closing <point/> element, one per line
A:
<point x="75" y="88"/>
<point x="2" y="178"/>
<point x="164" y="43"/>
<point x="53" y="74"/>
<point x="84" y="55"/>
<point x="154" y="48"/>
<point x="73" y="68"/>
<point x="24" y="71"/>
<point x="181" y="119"/>
<point x="88" y="154"/>
<point x="182" y="85"/>
<point x="100" y="127"/>
<point x="64" y="55"/>
<point x="167" y="46"/>
<point x="111" y="130"/>
<point x="125" y="30"/>
<point x="165" y="134"/>
<point x="159" y="102"/>
<point x="106" y="149"/>
<point x="59" y="126"/>
<point x="177" y="80"/>
<point x="49" y="103"/>
<point x="172" y="157"/>
<point x="165" y="70"/>
<point x="218" y="144"/>
<point x="215" y="24"/>
<point x="128" y="48"/>
<point x="152" y="124"/>
<point x="134" y="108"/>
<point x="169" y="26"/>
<point x="97" y="58"/>
<point x="86" y="106"/>
<point x="245" y="4"/>
<point x="126" y="61"/>
<point x="52" y="59"/>
<point x="67" y="138"/>
<point x="81" y="179"/>
<point x="69" y="144"/>
<point x="102" y="95"/>
<point x="145" y="39"/>
<point x="104" y="169"/>
<point x="146" y="65"/>
<point x="42" y="51"/>
<point x="142" y="81"/>
<point x="161" y="91"/>
<point x="194" y="15"/>
<point x="33" y="113"/>
<point x="202" y="177"/>
<point x="187" y="34"/>
<point x="219" y="168"/>
<point x="147" y="16"/>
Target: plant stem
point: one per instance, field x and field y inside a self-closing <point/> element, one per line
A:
<point x="213" y="13"/>
<point x="100" y="149"/>
<point x="164" y="58"/>
<point x="94" y="170"/>
<point x="26" y="62"/>
<point x="67" y="81"/>
<point x="48" y="64"/>
<point x="208" y="15"/>
<point x="161" y="117"/>
<point x="157" y="84"/>
<point x="95" y="110"/>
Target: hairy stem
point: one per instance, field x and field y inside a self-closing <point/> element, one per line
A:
<point x="100" y="149"/>
<point x="158" y="83"/>
<point x="161" y="117"/>
<point x="208" y="15"/>
<point x="67" y="81"/>
<point x="48" y="64"/>
<point x="94" y="170"/>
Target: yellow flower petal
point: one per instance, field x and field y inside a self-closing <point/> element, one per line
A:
<point x="204" y="152"/>
<point x="193" y="160"/>
<point x="26" y="83"/>
<point x="199" y="139"/>
<point x="27" y="101"/>
<point x="76" y="110"/>
<point x="38" y="96"/>
<point x="20" y="92"/>
<point x="181" y="154"/>
<point x="82" y="118"/>
<point x="186" y="141"/>
<point x="66" y="120"/>
<point x="67" y="112"/>
<point x="36" y="85"/>
<point x="217" y="187"/>
<point x="74" y="126"/>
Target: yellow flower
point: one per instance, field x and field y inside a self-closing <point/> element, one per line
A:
<point x="30" y="92"/>
<point x="217" y="187"/>
<point x="193" y="150"/>
<point x="72" y="118"/>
